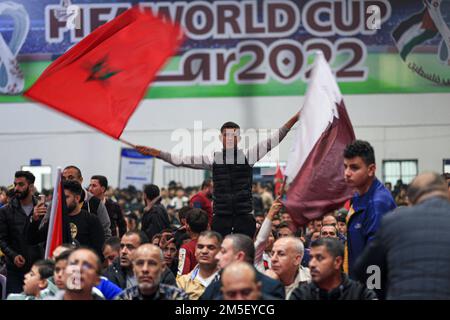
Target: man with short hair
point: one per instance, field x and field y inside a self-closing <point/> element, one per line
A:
<point x="90" y="203"/>
<point x="85" y="227"/>
<point x="239" y="282"/>
<point x="329" y="231"/>
<point x="411" y="247"/>
<point x="202" y="199"/>
<point x="329" y="220"/>
<point x="147" y="266"/>
<point x="98" y="187"/>
<point x="195" y="282"/>
<point x="120" y="271"/>
<point x="287" y="255"/>
<point x="239" y="247"/>
<point x="328" y="280"/>
<point x="369" y="204"/>
<point x="14" y="222"/>
<point x="81" y="275"/>
<point x="155" y="218"/>
<point x="232" y="174"/>
<point x="283" y="230"/>
<point x="111" y="250"/>
<point x="197" y="222"/>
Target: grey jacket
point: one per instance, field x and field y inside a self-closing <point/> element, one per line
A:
<point x="412" y="249"/>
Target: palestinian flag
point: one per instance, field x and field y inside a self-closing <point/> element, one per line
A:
<point x="413" y="32"/>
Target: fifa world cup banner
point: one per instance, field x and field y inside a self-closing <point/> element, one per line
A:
<point x="248" y="48"/>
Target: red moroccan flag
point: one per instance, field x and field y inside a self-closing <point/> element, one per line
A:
<point x="101" y="80"/>
<point x="278" y="180"/>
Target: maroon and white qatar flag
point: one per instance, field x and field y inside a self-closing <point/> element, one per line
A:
<point x="315" y="168"/>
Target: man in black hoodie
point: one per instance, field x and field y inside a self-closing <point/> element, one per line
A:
<point x="155" y="218"/>
<point x="328" y="281"/>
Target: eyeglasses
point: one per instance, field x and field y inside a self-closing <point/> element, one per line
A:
<point x="234" y="293"/>
<point x="331" y="234"/>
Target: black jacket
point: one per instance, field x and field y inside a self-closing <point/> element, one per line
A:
<point x="348" y="290"/>
<point x="115" y="273"/>
<point x="155" y="220"/>
<point x="233" y="179"/>
<point x="14" y="225"/>
<point x="85" y="229"/>
<point x="412" y="249"/>
<point x="116" y="217"/>
<point x="168" y="278"/>
<point x="270" y="287"/>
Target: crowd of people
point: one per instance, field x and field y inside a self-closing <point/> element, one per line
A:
<point x="162" y="243"/>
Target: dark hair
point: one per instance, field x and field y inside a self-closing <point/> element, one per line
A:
<point x="113" y="242"/>
<point x="212" y="234"/>
<point x="25" y="174"/>
<point x="45" y="268"/>
<point x="183" y="212"/>
<point x="197" y="220"/>
<point x="206" y="183"/>
<point x="244" y="243"/>
<point x="74" y="187"/>
<point x="151" y="191"/>
<point x="283" y="225"/>
<point x="102" y="180"/>
<point x="142" y="236"/>
<point x="360" y="148"/>
<point x="63" y="255"/>
<point x="132" y="216"/>
<point x="334" y="246"/>
<point x="76" y="169"/>
<point x="229" y="125"/>
<point x="180" y="239"/>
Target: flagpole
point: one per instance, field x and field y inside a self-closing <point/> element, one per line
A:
<point x="281" y="193"/>
<point x="54" y="207"/>
<point x="127" y="143"/>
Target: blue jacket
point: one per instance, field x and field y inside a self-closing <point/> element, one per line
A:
<point x="108" y="288"/>
<point x="365" y="221"/>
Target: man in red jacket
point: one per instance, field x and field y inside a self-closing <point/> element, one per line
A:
<point x="202" y="199"/>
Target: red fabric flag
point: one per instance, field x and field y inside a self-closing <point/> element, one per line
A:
<point x="316" y="165"/>
<point x="101" y="80"/>
<point x="278" y="180"/>
<point x="58" y="227"/>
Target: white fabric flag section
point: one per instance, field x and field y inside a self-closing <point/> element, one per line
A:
<point x="316" y="114"/>
<point x="53" y="212"/>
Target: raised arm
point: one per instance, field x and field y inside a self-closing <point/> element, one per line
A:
<point x="264" y="232"/>
<point x="258" y="151"/>
<point x="193" y="162"/>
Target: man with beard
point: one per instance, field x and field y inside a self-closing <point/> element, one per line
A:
<point x="120" y="271"/>
<point x="85" y="227"/>
<point x="148" y="266"/>
<point x="14" y="222"/>
<point x="328" y="280"/>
